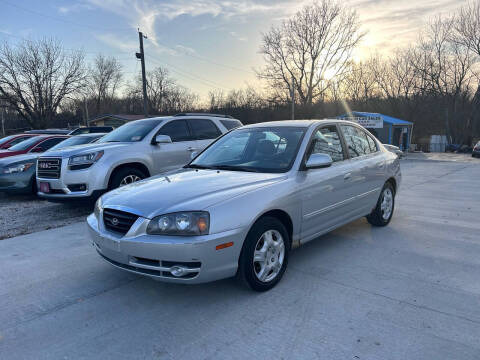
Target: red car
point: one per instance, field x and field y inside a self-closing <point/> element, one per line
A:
<point x="11" y="140"/>
<point x="35" y="144"/>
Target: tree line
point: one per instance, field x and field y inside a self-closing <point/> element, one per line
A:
<point x="433" y="82"/>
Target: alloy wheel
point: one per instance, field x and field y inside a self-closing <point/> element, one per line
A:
<point x="129" y="179"/>
<point x="387" y="203"/>
<point x="268" y="256"/>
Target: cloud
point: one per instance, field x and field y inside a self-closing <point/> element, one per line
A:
<point x="66" y="9"/>
<point x="237" y="36"/>
<point x="120" y="44"/>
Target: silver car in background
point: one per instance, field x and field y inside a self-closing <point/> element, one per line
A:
<point x="134" y="151"/>
<point x="243" y="203"/>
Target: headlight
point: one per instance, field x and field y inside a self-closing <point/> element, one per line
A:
<point x="18" y="168"/>
<point x="188" y="223"/>
<point x="97" y="208"/>
<point x="84" y="161"/>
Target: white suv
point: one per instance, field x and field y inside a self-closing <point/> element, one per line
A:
<point x="134" y="151"/>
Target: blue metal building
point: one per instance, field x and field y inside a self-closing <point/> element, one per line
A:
<point x="387" y="129"/>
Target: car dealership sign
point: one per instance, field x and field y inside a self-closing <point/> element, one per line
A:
<point x="371" y="122"/>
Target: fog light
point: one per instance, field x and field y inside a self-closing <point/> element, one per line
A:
<point x="177" y="271"/>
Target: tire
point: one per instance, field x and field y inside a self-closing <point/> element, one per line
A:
<point x="125" y="176"/>
<point x="275" y="256"/>
<point x="386" y="202"/>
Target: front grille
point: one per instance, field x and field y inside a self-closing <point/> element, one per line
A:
<point x="154" y="263"/>
<point x="49" y="168"/>
<point x="118" y="221"/>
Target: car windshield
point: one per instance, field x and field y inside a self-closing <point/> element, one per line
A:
<point x="262" y="149"/>
<point x="6" y="138"/>
<point x="131" y="132"/>
<point x="74" y="140"/>
<point x="25" y="144"/>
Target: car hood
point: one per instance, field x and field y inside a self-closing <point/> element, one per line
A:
<point x="18" y="159"/>
<point x="84" y="148"/>
<point x="184" y="190"/>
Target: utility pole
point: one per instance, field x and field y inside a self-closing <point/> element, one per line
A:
<point x="2" y="109"/>
<point x="293" y="98"/>
<point x="86" y="111"/>
<point x="141" y="56"/>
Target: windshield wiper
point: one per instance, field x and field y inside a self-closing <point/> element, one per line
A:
<point x="233" y="168"/>
<point x="195" y="166"/>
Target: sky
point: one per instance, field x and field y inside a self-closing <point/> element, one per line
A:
<point x="205" y="44"/>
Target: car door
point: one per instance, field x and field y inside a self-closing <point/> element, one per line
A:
<point x="325" y="192"/>
<point x="170" y="156"/>
<point x="365" y="163"/>
<point x="204" y="131"/>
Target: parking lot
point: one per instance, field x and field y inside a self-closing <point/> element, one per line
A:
<point x="410" y="290"/>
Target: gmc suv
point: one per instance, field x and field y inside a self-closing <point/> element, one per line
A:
<point x="134" y="151"/>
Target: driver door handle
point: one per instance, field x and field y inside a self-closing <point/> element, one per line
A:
<point x="191" y="149"/>
<point x="347" y="176"/>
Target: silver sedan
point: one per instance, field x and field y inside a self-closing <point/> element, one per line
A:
<point x="240" y="206"/>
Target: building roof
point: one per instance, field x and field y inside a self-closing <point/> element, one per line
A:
<point x="387" y="119"/>
<point x="122" y="117"/>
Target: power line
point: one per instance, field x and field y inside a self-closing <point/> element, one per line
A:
<point x="62" y="20"/>
<point x="206" y="59"/>
<point x="188" y="74"/>
<point x="131" y="57"/>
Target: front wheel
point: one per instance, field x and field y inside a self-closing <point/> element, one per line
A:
<point x="383" y="212"/>
<point x="264" y="254"/>
<point x="126" y="176"/>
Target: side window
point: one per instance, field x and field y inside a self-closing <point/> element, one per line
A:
<point x="47" y="144"/>
<point x="177" y="130"/>
<point x="231" y="124"/>
<point x="203" y="129"/>
<point x="356" y="140"/>
<point x="373" y="145"/>
<point x="327" y="141"/>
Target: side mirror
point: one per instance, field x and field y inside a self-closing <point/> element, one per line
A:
<point x="193" y="155"/>
<point x="316" y="161"/>
<point x="37" y="150"/>
<point x="162" y="139"/>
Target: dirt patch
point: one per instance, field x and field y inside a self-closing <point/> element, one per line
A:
<point x="24" y="214"/>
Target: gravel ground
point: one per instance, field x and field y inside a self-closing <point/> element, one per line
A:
<point x="25" y="214"/>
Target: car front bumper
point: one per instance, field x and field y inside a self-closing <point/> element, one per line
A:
<point x="17" y="182"/>
<point x="92" y="178"/>
<point x="155" y="256"/>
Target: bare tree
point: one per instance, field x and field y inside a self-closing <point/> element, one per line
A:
<point x="159" y="87"/>
<point x="316" y="41"/>
<point x="466" y="25"/>
<point x="36" y="76"/>
<point x="105" y="79"/>
<point x="444" y="68"/>
<point x="164" y="94"/>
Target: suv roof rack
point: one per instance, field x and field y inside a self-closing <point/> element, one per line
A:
<point x="204" y="114"/>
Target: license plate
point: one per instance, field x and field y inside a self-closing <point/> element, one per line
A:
<point x="44" y="187"/>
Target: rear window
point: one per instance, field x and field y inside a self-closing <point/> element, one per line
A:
<point x="24" y="145"/>
<point x="203" y="129"/>
<point x="231" y="124"/>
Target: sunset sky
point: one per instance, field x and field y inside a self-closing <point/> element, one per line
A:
<point x="206" y="44"/>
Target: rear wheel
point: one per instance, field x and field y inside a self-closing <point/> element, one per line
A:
<point x="264" y="256"/>
<point x="126" y="176"/>
<point x="383" y="212"/>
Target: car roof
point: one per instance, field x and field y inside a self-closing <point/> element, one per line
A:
<point x="90" y="134"/>
<point x="296" y="123"/>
